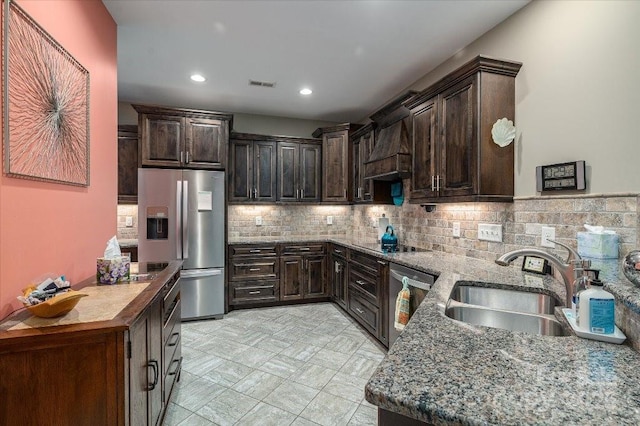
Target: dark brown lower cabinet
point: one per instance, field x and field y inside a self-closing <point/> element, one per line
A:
<point x="303" y="270"/>
<point x="145" y="366"/>
<point x="338" y="271"/>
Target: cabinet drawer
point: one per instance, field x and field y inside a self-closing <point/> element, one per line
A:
<point x="366" y="261"/>
<point x="172" y="370"/>
<point x="251" y="292"/>
<point x="254" y="250"/>
<point x="365" y="283"/>
<point x="339" y="251"/>
<point x="171" y="345"/>
<point x="364" y="312"/>
<point x="172" y="321"/>
<point x="243" y="268"/>
<point x="301" y="249"/>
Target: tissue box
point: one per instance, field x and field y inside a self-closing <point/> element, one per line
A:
<point x="111" y="271"/>
<point x="598" y="246"/>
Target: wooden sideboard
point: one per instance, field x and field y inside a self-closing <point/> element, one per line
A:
<point x="95" y="366"/>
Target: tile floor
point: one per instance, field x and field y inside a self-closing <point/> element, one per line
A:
<point x="294" y="365"/>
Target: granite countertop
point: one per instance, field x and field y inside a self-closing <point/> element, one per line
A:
<point x="443" y="371"/>
<point x="448" y="372"/>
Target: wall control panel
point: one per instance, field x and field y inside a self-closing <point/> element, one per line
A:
<point x="490" y="232"/>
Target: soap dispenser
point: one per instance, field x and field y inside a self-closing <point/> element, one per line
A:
<point x="597" y="309"/>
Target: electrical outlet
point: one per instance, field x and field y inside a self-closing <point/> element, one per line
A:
<point x="548" y="233"/>
<point x="329" y="220"/>
<point x="490" y="232"/>
<point x="258" y="220"/>
<point x="456" y="229"/>
<point x="128" y="221"/>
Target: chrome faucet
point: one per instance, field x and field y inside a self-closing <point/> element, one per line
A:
<point x="569" y="269"/>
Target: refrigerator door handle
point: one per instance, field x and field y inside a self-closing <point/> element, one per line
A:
<point x="178" y="219"/>
<point x="197" y="273"/>
<point x="185" y="220"/>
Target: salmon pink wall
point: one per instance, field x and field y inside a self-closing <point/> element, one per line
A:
<point x="47" y="227"/>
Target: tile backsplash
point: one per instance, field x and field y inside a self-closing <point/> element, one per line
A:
<point x="127" y="232"/>
<point x="521" y="221"/>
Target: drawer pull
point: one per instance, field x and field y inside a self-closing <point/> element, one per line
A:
<point x="255" y="292"/>
<point x="304" y="249"/>
<point x="254" y="269"/>
<point x="175" y="342"/>
<point x="382" y="262"/>
<point x="178" y="362"/>
<point x="360" y="311"/>
<point x="337" y="251"/>
<point x="254" y="251"/>
<point x="361" y="283"/>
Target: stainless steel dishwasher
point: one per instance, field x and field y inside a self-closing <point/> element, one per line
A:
<point x="419" y="285"/>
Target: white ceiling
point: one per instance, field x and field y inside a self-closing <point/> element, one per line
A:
<point x="354" y="55"/>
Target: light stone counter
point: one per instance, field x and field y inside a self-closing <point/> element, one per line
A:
<point x="103" y="303"/>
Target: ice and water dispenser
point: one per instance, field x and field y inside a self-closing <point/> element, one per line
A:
<point x="157" y="223"/>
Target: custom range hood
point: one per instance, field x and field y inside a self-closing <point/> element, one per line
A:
<point x="391" y="156"/>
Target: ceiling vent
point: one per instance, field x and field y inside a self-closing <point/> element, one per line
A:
<point x="262" y="83"/>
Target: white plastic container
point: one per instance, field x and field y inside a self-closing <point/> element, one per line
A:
<point x="597" y="310"/>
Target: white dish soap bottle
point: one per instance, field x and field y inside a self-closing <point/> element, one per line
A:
<point x="597" y="309"/>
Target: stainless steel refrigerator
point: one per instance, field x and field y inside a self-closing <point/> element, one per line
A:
<point x="181" y="215"/>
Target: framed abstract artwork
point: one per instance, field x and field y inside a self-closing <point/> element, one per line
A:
<point x="45" y="105"/>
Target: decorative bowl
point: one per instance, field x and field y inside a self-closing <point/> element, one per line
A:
<point x="503" y="132"/>
<point x="59" y="305"/>
<point x="631" y="266"/>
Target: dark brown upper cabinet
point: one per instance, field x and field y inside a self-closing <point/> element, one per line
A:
<point x="362" y="142"/>
<point x="336" y="162"/>
<point x="252" y="169"/>
<point x="454" y="156"/>
<point x="183" y="138"/>
<point x="128" y="164"/>
<point x="299" y="171"/>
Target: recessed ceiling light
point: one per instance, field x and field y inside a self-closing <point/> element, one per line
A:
<point x="198" y="78"/>
<point x="306" y="91"/>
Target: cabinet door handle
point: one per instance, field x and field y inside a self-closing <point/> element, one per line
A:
<point x="302" y="193"/>
<point x="297" y="194"/>
<point x="254" y="269"/>
<point x="175" y="342"/>
<point x="433" y="182"/>
<point x="382" y="262"/>
<point x="255" y="193"/>
<point x="438" y="183"/>
<point x="345" y="193"/>
<point x="254" y="251"/>
<point x="255" y="292"/>
<point x="182" y="156"/>
<point x="360" y="311"/>
<point x="154" y="365"/>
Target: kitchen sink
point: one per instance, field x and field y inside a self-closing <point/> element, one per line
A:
<point x="509" y="300"/>
<point x="508" y="309"/>
<point x="545" y="325"/>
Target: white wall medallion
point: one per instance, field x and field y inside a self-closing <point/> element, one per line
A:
<point x="503" y="132"/>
